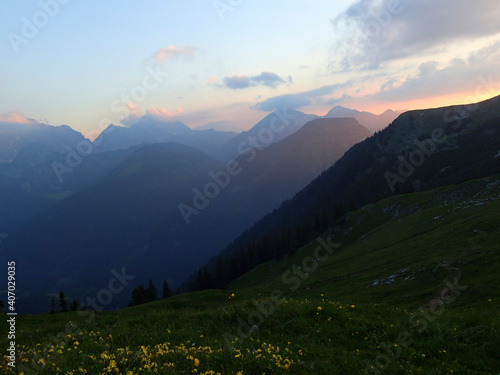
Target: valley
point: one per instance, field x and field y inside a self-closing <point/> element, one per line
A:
<point x="366" y="308"/>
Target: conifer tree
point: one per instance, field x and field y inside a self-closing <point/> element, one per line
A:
<point x="166" y="292"/>
<point x="138" y="296"/>
<point x="74" y="306"/>
<point x="151" y="292"/>
<point x="62" y="302"/>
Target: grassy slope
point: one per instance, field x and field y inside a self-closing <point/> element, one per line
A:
<point x="430" y="235"/>
<point x="448" y="234"/>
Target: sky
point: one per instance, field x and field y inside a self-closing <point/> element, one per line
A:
<point x="225" y="64"/>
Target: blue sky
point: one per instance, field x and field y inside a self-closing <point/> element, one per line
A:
<point x="76" y="62"/>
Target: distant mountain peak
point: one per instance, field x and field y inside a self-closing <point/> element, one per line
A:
<point x="324" y="122"/>
<point x="371" y="121"/>
<point x="150" y="129"/>
<point x="153" y="122"/>
<point x="339" y="110"/>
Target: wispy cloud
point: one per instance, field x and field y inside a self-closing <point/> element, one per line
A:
<point x="160" y="114"/>
<point x="240" y="82"/>
<point x="171" y="53"/>
<point x="457" y="75"/>
<point x="212" y="80"/>
<point x="302" y="99"/>
<point x="372" y="32"/>
<point x="237" y="82"/>
<point x="268" y="79"/>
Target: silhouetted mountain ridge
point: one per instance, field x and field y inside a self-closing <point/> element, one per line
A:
<point x="86" y="235"/>
<point x="271" y="129"/>
<point x="267" y="177"/>
<point x="150" y="130"/>
<point x="131" y="218"/>
<point x="420" y="150"/>
<point x="371" y="121"/>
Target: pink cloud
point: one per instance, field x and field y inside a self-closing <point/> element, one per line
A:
<point x="133" y="110"/>
<point x="159" y="113"/>
<point x="136" y="113"/>
<point x="15" y="117"/>
<point x="170" y="53"/>
<point x="212" y="80"/>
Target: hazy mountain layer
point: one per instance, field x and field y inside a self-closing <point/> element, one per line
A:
<point x="419" y="151"/>
<point x="150" y="130"/>
<point x="78" y="242"/>
<point x="371" y="121"/>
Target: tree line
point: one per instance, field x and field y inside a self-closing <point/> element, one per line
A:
<point x="63" y="304"/>
<point x="140" y="295"/>
<point x="147" y="294"/>
<point x="268" y="247"/>
<point x="352" y="182"/>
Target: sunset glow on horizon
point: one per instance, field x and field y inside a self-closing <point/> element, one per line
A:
<point x="90" y="64"/>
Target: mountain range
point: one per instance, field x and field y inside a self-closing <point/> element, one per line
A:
<point x="271" y="129"/>
<point x="28" y="182"/>
<point x="372" y="122"/>
<point x="41" y="164"/>
<point x="149" y="130"/>
<point x="130" y="218"/>
<point x="119" y="205"/>
<point x="14" y="137"/>
<point x="420" y="150"/>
